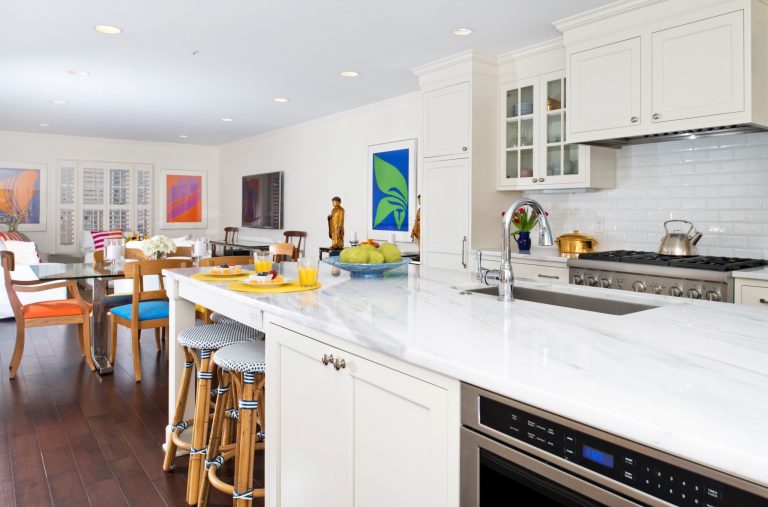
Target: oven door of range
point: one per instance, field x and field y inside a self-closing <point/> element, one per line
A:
<point x="495" y="474"/>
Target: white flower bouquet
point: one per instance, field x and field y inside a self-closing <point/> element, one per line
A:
<point x="158" y="246"/>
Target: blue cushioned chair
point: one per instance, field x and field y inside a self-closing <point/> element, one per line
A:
<point x="148" y="309"/>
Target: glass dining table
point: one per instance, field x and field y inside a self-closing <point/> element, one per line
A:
<point x="100" y="276"/>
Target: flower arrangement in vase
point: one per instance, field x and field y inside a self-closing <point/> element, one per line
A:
<point x="158" y="247"/>
<point x="525" y="220"/>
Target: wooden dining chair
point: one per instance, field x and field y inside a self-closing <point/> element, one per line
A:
<point x="45" y="313"/>
<point x="181" y="251"/>
<point x="230" y="234"/>
<point x="148" y="308"/>
<point x="297" y="239"/>
<point x="282" y="252"/>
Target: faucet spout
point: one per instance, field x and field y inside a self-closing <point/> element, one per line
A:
<point x="506" y="277"/>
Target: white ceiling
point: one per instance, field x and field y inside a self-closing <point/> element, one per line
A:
<point x="146" y="81"/>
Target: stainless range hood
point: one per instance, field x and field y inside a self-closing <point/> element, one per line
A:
<point x="743" y="128"/>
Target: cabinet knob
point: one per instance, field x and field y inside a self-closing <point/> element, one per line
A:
<point x="634" y="119"/>
<point x="656" y="116"/>
<point x="541" y="180"/>
<point x="326" y="359"/>
<point x="339" y="364"/>
<point x="464" y="148"/>
<point x="534" y="180"/>
<point x="764" y="301"/>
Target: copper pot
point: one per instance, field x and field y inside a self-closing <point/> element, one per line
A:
<point x="575" y="243"/>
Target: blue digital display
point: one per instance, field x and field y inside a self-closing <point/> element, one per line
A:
<point x="600" y="457"/>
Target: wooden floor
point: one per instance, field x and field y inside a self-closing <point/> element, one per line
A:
<point x="72" y="438"/>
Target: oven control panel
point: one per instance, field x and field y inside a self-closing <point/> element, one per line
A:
<point x="645" y="473"/>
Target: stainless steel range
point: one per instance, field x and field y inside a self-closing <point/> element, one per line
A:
<point x="695" y="277"/>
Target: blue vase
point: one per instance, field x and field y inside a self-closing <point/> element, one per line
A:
<point x="523" y="239"/>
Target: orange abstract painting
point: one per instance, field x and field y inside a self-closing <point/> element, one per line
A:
<point x="183" y="198"/>
<point x="20" y="194"/>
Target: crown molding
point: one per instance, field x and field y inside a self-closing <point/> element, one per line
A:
<point x="600" y="13"/>
<point x="529" y="51"/>
<point x="469" y="56"/>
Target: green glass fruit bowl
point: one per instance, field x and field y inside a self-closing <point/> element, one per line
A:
<point x="366" y="270"/>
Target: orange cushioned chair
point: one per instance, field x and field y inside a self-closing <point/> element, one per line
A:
<point x="45" y="313"/>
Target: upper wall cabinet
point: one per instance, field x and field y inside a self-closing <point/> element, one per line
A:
<point x="654" y="67"/>
<point x="447" y="121"/>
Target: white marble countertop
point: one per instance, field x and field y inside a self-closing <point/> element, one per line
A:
<point x="760" y="273"/>
<point x="540" y="253"/>
<point x="688" y="377"/>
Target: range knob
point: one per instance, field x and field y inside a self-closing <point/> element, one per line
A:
<point x="605" y="283"/>
<point x="592" y="281"/>
<point x="657" y="289"/>
<point x="638" y="287"/>
<point x="578" y="279"/>
<point x="713" y="296"/>
<point x="675" y="291"/>
<point x="694" y="293"/>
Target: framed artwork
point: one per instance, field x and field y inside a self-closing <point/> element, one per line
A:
<point x="22" y="195"/>
<point x="392" y="190"/>
<point x="263" y="201"/>
<point x="185" y="199"/>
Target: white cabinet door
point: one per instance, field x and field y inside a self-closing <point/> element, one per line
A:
<point x="400" y="436"/>
<point x="445" y="202"/>
<point x="605" y="87"/>
<point x="446" y="120"/>
<point x="312" y="438"/>
<point x="698" y="68"/>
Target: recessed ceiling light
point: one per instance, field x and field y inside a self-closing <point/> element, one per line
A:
<point x="44" y="124"/>
<point x="226" y="120"/>
<point x="79" y="72"/>
<point x="280" y="100"/>
<point x="183" y="136"/>
<point x="462" y="32"/>
<point x="108" y="29"/>
<point x="349" y="73"/>
<point x="58" y="101"/>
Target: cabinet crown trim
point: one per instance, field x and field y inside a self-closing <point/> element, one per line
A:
<point x="469" y="56"/>
<point x="599" y="13"/>
<point x="531" y="51"/>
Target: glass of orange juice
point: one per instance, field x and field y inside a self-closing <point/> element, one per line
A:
<point x="262" y="261"/>
<point x="308" y="267"/>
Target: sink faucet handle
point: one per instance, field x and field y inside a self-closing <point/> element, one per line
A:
<point x="479" y="263"/>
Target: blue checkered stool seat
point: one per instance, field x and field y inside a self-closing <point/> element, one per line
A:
<point x="219" y="318"/>
<point x="200" y="345"/>
<point x="247" y="362"/>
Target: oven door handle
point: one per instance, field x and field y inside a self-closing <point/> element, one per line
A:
<point x="472" y="442"/>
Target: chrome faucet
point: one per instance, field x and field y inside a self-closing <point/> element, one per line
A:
<point x="505" y="277"/>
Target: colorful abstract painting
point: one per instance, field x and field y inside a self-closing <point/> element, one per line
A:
<point x="21" y="196"/>
<point x="184" y="199"/>
<point x="392" y="193"/>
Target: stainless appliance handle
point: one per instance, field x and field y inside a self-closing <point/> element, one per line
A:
<point x="464" y="251"/>
<point x="554" y="277"/>
<point x="472" y="442"/>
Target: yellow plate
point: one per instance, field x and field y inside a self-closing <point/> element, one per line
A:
<point x="271" y="283"/>
<point x="292" y="286"/>
<point x="242" y="272"/>
<point x="204" y="277"/>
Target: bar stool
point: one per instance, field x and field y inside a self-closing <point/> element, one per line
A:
<point x="243" y="363"/>
<point x="203" y="340"/>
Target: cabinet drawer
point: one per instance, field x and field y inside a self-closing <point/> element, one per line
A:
<point x="538" y="273"/>
<point x="754" y="295"/>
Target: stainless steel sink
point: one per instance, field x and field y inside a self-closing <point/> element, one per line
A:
<point x="589" y="304"/>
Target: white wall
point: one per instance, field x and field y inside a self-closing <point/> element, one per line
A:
<point x="48" y="149"/>
<point x="719" y="183"/>
<point x="321" y="159"/>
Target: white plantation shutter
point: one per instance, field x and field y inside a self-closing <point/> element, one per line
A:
<point x="97" y="195"/>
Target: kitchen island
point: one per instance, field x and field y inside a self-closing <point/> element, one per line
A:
<point x="687" y="377"/>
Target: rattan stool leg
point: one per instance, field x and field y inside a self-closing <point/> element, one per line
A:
<point x="179" y="424"/>
<point x="200" y="426"/>
<point x="213" y="458"/>
<point x="246" y="442"/>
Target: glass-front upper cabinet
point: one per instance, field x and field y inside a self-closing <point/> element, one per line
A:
<point x="536" y="153"/>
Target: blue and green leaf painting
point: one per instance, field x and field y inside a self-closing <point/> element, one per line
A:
<point x="390" y="190"/>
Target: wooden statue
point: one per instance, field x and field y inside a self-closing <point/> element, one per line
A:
<point x="416" y="231"/>
<point x="336" y="224"/>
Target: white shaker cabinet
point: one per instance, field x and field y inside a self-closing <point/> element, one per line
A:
<point x="698" y="68"/>
<point x="447" y="121"/>
<point x="354" y="432"/>
<point x="605" y="87"/>
<point x="445" y="195"/>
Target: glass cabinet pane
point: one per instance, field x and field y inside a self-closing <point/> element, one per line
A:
<point x="526" y="132"/>
<point x="554" y="155"/>
<point x="512" y="171"/>
<point x="554" y="95"/>
<point x="526" y="163"/>
<point x="512" y="134"/>
<point x="554" y="128"/>
<point x="571" y="163"/>
<point x="512" y="103"/>
<point x="526" y="100"/>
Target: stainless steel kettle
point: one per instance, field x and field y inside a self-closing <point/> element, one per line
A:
<point x="679" y="243"/>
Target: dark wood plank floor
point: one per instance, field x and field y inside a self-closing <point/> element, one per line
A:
<point x="69" y="437"/>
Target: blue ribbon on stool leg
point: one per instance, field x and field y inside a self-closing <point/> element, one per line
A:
<point x="246" y="495"/>
<point x="204" y="450"/>
<point x="249" y="377"/>
<point x="233" y="413"/>
<point x="205" y="375"/>
<point x="222" y="390"/>
<point x="218" y="462"/>
<point x="188" y="364"/>
<point x="248" y="404"/>
<point x="180" y="426"/>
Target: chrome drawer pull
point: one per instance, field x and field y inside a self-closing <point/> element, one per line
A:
<point x="764" y="301"/>
<point x="339" y="364"/>
<point x="555" y="277"/>
<point x="327" y="359"/>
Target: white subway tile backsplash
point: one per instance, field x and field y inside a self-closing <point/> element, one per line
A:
<point x="719" y="183"/>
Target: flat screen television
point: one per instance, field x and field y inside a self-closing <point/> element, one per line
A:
<point x="263" y="201"/>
